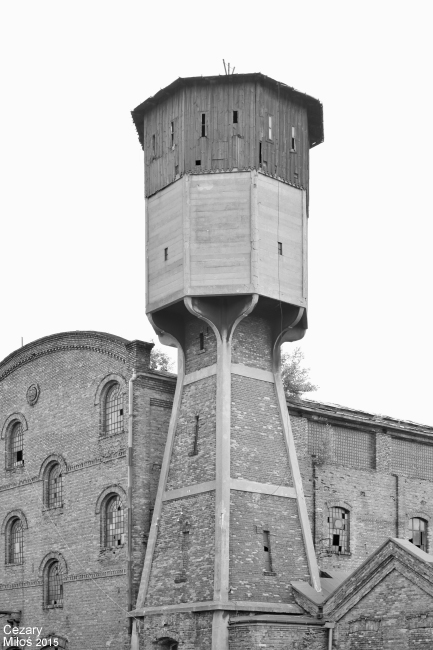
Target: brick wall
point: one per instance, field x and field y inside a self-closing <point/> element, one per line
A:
<point x="258" y="450"/>
<point x="251" y="513"/>
<point x="395" y="615"/>
<point x="184" y="574"/>
<point x="193" y="631"/>
<point x="273" y="636"/>
<point x="379" y="500"/>
<point x="66" y="421"/>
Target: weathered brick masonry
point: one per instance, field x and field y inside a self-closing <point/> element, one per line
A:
<point x="65" y="424"/>
<point x="381" y="489"/>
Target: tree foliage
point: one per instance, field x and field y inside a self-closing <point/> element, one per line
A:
<point x="160" y="360"/>
<point x="296" y="379"/>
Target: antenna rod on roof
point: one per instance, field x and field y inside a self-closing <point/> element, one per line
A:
<point x="225" y="66"/>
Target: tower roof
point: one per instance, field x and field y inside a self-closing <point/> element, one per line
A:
<point x="313" y="106"/>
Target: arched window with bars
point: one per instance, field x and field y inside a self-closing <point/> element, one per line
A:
<point x="14" y="542"/>
<point x="15" y="444"/>
<point x="418" y="532"/>
<point x="54" y="495"/>
<point x="113" y="410"/>
<point x="54" y="585"/>
<point x="339" y="530"/>
<point x="114" y="522"/>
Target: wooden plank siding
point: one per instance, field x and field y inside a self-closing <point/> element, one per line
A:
<point x="165" y="230"/>
<point x="220" y="244"/>
<point x="281" y="217"/>
<point x="226" y="145"/>
<point x="222" y="232"/>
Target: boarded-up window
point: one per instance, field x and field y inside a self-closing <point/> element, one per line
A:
<point x="412" y="458"/>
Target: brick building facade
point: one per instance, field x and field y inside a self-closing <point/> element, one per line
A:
<point x="63" y="486"/>
<point x="376" y="469"/>
<point x="208" y="512"/>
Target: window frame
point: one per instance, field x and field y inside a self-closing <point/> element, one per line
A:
<point x="46" y="566"/>
<point x="113" y="498"/>
<point x="12" y="518"/>
<point x="102" y="504"/>
<point x="49" y="505"/>
<point x="270" y="128"/>
<point x="121" y="406"/>
<point x="48" y="570"/>
<point x="10" y="553"/>
<point x="413" y="530"/>
<point x="15" y="427"/>
<point x="334" y="515"/>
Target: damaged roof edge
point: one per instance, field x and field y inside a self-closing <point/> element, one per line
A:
<point x="313" y="105"/>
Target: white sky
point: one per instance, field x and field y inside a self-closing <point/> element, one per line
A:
<point x="71" y="203"/>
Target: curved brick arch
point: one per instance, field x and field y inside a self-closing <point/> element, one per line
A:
<point x="420" y="514"/>
<point x="110" y="490"/>
<point x="11" y="419"/>
<point x="339" y="504"/>
<point x="105" y="383"/>
<point x="53" y="555"/>
<point x="168" y="636"/>
<point x="14" y="514"/>
<point x="49" y="460"/>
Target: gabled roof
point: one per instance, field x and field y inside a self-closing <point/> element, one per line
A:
<point x="313" y="106"/>
<point x="342" y="591"/>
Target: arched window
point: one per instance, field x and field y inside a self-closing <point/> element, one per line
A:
<point x="14" y="542"/>
<point x="166" y="643"/>
<point x="418" y="532"/>
<point x="54" y="585"/>
<point x="113" y="418"/>
<point x="338" y="522"/>
<point x="114" y="523"/>
<point x="54" y="487"/>
<point x="15" y="446"/>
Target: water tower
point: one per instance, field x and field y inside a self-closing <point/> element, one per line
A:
<point x="226" y="186"/>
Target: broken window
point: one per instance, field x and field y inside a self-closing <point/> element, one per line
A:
<point x="113" y="410"/>
<point x="16" y="446"/>
<point x="15" y="550"/>
<point x="114" y="528"/>
<point x="338" y="522"/>
<point x="293" y="139"/>
<point x="55" y="487"/>
<point x="54" y="585"/>
<point x="418" y="532"/>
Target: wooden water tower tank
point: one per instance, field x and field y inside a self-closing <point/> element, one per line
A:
<point x="226" y="185"/>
